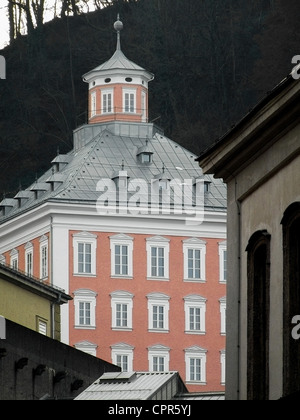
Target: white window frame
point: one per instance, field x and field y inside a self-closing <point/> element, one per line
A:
<point x="223" y="366"/>
<point x="14" y="259"/>
<point x="158" y="300"/>
<point x="2" y="259"/>
<point x="222" y="302"/>
<point x="194" y="244"/>
<point x="93" y="104"/>
<point x="29" y="259"/>
<point x="121" y="298"/>
<point x="222" y="249"/>
<point x="84" y="238"/>
<point x="195" y="302"/>
<point x="122" y="350"/>
<point x="104" y="94"/>
<point x="121" y="240"/>
<point x="158" y="242"/>
<point x="87" y="347"/>
<point x="195" y="353"/>
<point x="44" y="259"/>
<point x="129" y="109"/>
<point x="159" y="351"/>
<point x="85" y="296"/>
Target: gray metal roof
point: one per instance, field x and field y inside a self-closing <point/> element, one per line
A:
<point x="101" y="150"/>
<point x="133" y="386"/>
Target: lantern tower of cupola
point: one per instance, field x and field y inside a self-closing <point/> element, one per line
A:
<point x="118" y="89"/>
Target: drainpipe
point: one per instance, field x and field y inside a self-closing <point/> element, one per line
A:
<point x="51" y="277"/>
<point x="238" y="203"/>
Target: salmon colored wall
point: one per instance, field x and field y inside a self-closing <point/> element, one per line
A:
<point x="139" y="286"/>
<point x="118" y="104"/>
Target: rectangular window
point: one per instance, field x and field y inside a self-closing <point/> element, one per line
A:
<point x="158" y="364"/>
<point x="121" y="315"/>
<point x="84" y="258"/>
<point x="157" y="262"/>
<point x="194" y="264"/>
<point x="84" y="313"/>
<point x="129" y="102"/>
<point x="122" y="362"/>
<point x="14" y="263"/>
<point x="121" y="260"/>
<point x="195" y="370"/>
<point x="195" y="318"/>
<point x="158" y="317"/>
<point x="44" y="262"/>
<point x="225" y="265"/>
<point x="29" y="267"/>
<point x="107" y="103"/>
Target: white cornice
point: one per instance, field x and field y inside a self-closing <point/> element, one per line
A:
<point x="37" y="222"/>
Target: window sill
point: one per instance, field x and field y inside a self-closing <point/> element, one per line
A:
<point x="84" y="275"/>
<point x="120" y="277"/>
<point x="196" y="383"/>
<point x="158" y="279"/>
<point x="195" y="332"/>
<point x="85" y="327"/>
<point x="127" y="329"/>
<point x="194" y="281"/>
<point x="159" y="331"/>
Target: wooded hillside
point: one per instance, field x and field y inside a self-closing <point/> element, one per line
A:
<point x="212" y="60"/>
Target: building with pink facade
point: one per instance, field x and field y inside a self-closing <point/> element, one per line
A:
<point x="128" y="225"/>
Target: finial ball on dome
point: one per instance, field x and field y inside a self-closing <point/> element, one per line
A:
<point x="118" y="25"/>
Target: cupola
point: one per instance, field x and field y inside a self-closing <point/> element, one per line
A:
<point x="118" y="89"/>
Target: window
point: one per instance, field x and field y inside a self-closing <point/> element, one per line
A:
<point x="93" y="104"/>
<point x="29" y="259"/>
<point x="44" y="257"/>
<point x="122" y="356"/>
<point x="129" y="101"/>
<point x="291" y="297"/>
<point x="195" y="360"/>
<point x="258" y="293"/>
<point x="194" y="308"/>
<point x="158" y="258"/>
<point x="158" y="312"/>
<point x="122" y="306"/>
<point x="121" y="256"/>
<point x="223" y="261"/>
<point x="223" y="366"/>
<point x="87" y="347"/>
<point x="84" y="245"/>
<point x="159" y="358"/>
<point x="14" y="259"/>
<point x="85" y="309"/>
<point x="223" y="315"/>
<point x="107" y="102"/>
<point x="194" y="251"/>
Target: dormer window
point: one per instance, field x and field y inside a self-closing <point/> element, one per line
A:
<point x="146" y="157"/>
<point x="207" y="186"/>
<point x="145" y="154"/>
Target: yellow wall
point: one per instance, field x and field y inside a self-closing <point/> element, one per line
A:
<point x="24" y="307"/>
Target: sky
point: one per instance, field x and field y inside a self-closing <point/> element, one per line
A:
<point x="4" y="26"/>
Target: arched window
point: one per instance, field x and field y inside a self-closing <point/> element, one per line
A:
<point x="291" y="298"/>
<point x="258" y="316"/>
